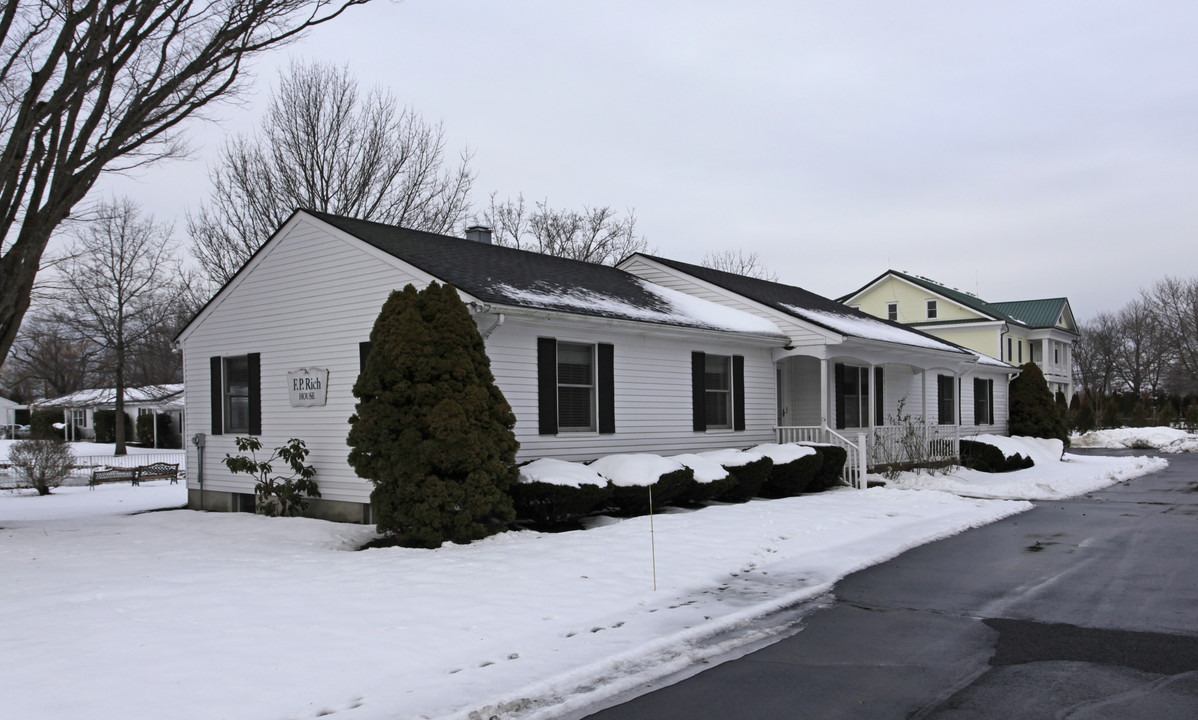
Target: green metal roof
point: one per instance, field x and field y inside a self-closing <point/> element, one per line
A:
<point x="1034" y="313"/>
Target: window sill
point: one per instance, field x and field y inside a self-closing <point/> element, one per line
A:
<point x="576" y="433"/>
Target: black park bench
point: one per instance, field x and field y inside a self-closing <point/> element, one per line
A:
<point x="153" y="471"/>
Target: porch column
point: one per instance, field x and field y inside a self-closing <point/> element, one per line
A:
<point x="823" y="391"/>
<point x="924" y="382"/>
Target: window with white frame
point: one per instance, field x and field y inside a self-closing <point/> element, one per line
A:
<point x="78" y="417"/>
<point x="946" y="399"/>
<point x="932" y="311"/>
<point x="575" y="387"/>
<point x="892" y="311"/>
<point x="717" y="392"/>
<point x="983" y="401"/>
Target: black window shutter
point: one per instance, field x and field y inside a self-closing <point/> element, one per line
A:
<point x="879" y="396"/>
<point x="218" y="391"/>
<point x="838" y="382"/>
<point x="698" y="391"/>
<point x="738" y="392"/>
<point x="547" y="386"/>
<point x="990" y="392"/>
<point x="363" y="353"/>
<point x="253" y="363"/>
<point x="607" y="388"/>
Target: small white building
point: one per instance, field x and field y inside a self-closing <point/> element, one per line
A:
<point x="593" y="360"/>
<point x="79" y="408"/>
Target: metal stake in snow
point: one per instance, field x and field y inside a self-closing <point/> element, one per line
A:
<point x="652" y="539"/>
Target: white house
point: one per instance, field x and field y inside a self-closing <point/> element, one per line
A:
<point x="594" y="360"/>
<point x="79" y="408"/>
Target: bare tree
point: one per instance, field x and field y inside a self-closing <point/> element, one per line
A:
<point x="91" y="86"/>
<point x="597" y="235"/>
<point x="1142" y="358"/>
<point x="740" y="263"/>
<point x="1174" y="301"/>
<point x="49" y="360"/>
<point x="321" y="146"/>
<point x="1095" y="353"/>
<point x="118" y="286"/>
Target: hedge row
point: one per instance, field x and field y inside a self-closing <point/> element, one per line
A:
<point x="988" y="458"/>
<point x="549" y="506"/>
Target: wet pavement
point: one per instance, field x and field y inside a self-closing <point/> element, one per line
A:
<point x="1083" y="609"/>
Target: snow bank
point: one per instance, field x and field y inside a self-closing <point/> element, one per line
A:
<point x="193" y="615"/>
<point x="1052" y="477"/>
<point x="1165" y="439"/>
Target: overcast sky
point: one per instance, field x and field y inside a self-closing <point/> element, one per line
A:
<point x="1014" y="149"/>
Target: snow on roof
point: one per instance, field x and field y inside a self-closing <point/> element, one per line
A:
<point x="677" y="308"/>
<point x="98" y="397"/>
<point x="870" y="328"/>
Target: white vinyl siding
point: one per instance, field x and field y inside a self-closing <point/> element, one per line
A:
<point x="308" y="303"/>
<point x="652" y="388"/>
<point x="312" y="297"/>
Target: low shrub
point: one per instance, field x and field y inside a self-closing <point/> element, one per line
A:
<point x="792" y="478"/>
<point x="985" y="457"/>
<point x="276" y="495"/>
<point x="750" y="477"/>
<point x="632" y="500"/>
<point x="700" y="492"/>
<point x="832" y="460"/>
<point x="40" y="464"/>
<point x="549" y="506"/>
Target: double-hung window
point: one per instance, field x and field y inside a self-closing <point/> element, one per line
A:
<point x="854" y="391"/>
<point x="236" y="394"/>
<point x="575" y="387"/>
<point x="946" y="399"/>
<point x="983" y="401"/>
<point x="932" y="310"/>
<point x="717" y="390"/>
<point x="892" y="311"/>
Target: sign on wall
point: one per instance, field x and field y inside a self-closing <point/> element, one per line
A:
<point x="308" y="386"/>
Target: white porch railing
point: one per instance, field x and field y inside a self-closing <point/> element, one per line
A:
<point x="855" y="452"/>
<point x="919" y="444"/>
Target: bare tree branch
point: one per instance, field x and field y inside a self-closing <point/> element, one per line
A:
<point x="597" y="235"/>
<point x="323" y="147"/>
<point x="740" y="263"/>
<point x="93" y="86"/>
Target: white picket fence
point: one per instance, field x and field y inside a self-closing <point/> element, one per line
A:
<point x="84" y="464"/>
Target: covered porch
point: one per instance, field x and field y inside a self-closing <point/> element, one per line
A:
<point x="885" y="407"/>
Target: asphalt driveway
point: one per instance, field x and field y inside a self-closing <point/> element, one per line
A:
<point x="1081" y="609"/>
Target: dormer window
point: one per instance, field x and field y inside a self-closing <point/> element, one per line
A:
<point x="931" y="309"/>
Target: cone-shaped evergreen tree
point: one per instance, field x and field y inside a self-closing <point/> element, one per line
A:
<point x="431" y="430"/>
<point x="1033" y="410"/>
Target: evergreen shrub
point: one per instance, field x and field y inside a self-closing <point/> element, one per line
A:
<point x="431" y="430"/>
<point x="167" y="437"/>
<point x="630" y="500"/>
<point x="750" y="477"/>
<point x="1033" y="411"/>
<point x="105" y="426"/>
<point x="832" y="460"/>
<point x="985" y="457"/>
<point x="698" y="493"/>
<point x="792" y="478"/>
<point x="547" y="506"/>
<point x="41" y="425"/>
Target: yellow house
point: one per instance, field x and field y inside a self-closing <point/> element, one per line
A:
<point x="1042" y="331"/>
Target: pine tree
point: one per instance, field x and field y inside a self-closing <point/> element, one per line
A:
<point x="1033" y="410"/>
<point x="431" y="430"/>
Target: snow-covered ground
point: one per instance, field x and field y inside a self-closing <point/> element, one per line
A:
<point x="203" y="615"/>
<point x="1165" y="439"/>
